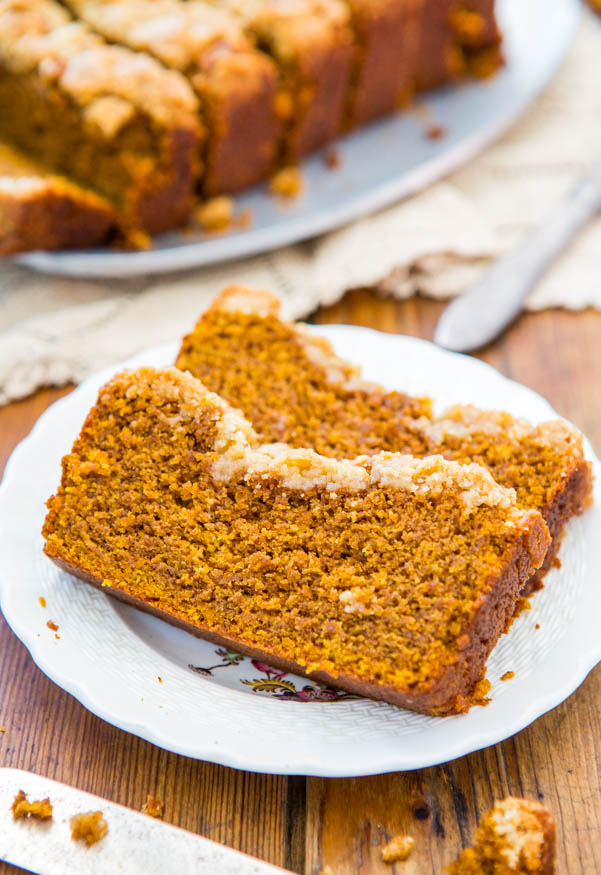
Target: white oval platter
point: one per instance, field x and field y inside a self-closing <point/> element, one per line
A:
<point x="378" y="164"/>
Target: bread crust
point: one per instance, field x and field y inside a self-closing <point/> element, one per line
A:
<point x="443" y="54"/>
<point x="49" y="213"/>
<point x="386" y="32"/>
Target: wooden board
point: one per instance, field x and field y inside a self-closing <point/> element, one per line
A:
<point x="305" y="824"/>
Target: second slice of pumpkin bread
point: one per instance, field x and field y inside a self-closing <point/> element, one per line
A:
<point x="107" y="117"/>
<point x="235" y="82"/>
<point x="389" y="576"/>
<point x="293" y="388"/>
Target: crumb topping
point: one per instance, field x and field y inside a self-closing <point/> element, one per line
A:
<point x="177" y="33"/>
<point x="39" y="36"/>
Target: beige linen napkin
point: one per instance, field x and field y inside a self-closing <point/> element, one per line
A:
<point x="55" y="330"/>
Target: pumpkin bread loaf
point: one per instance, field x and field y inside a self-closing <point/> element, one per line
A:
<point x="389" y="576"/>
<point x="111" y="119"/>
<point x="517" y="837"/>
<point x="236" y="83"/>
<point x="293" y="388"/>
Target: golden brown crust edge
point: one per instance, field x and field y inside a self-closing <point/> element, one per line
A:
<point x="451" y="693"/>
<point x="52" y="215"/>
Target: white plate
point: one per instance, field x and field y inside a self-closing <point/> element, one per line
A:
<point x="110" y="656"/>
<point x="379" y="164"/>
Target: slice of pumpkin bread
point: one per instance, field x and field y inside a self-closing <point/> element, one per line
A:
<point x="108" y="118"/>
<point x="386" y="35"/>
<point x="388" y="576"/>
<point x="235" y="82"/>
<point x="311" y="41"/>
<point x="517" y="837"/>
<point x="41" y="211"/>
<point x="293" y="388"/>
<point x="456" y="38"/>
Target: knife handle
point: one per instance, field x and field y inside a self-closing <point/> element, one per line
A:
<point x="481" y="313"/>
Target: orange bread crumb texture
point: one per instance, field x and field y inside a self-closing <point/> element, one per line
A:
<point x="89" y="827"/>
<point x="289" y="553"/>
<point x="22" y="808"/>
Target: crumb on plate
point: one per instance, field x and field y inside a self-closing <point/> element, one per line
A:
<point x="287" y="182"/>
<point x="215" y="214"/>
<point x="436" y="132"/>
<point x="508" y="675"/>
<point x="42" y="601"/>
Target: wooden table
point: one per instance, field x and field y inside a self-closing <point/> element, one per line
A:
<point x="305" y="824"/>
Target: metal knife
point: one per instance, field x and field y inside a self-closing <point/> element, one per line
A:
<point x="134" y="845"/>
<point x="491" y="304"/>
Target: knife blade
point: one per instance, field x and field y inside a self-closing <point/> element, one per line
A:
<point x="135" y="844"/>
<point x="493" y="302"/>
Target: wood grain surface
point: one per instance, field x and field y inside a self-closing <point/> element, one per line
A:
<point x="306" y="824"/>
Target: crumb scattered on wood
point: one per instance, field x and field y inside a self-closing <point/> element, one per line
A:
<point x="397" y="849"/>
<point x="287" y="182"/>
<point x="40" y="809"/>
<point x="90" y="826"/>
<point x="3" y="729"/>
<point x="52" y="626"/>
<point x="327" y="870"/>
<point x="215" y="214"/>
<point x="508" y="675"/>
<point x="42" y="601"/>
<point x="153" y="807"/>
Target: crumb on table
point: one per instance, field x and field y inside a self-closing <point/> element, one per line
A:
<point x="89" y="826"/>
<point x="51" y="625"/>
<point x="153" y="807"/>
<point x="215" y="214"/>
<point x="287" y="182"/>
<point x="397" y="849"/>
<point x="327" y="870"/>
<point x="508" y="675"/>
<point x="40" y="809"/>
